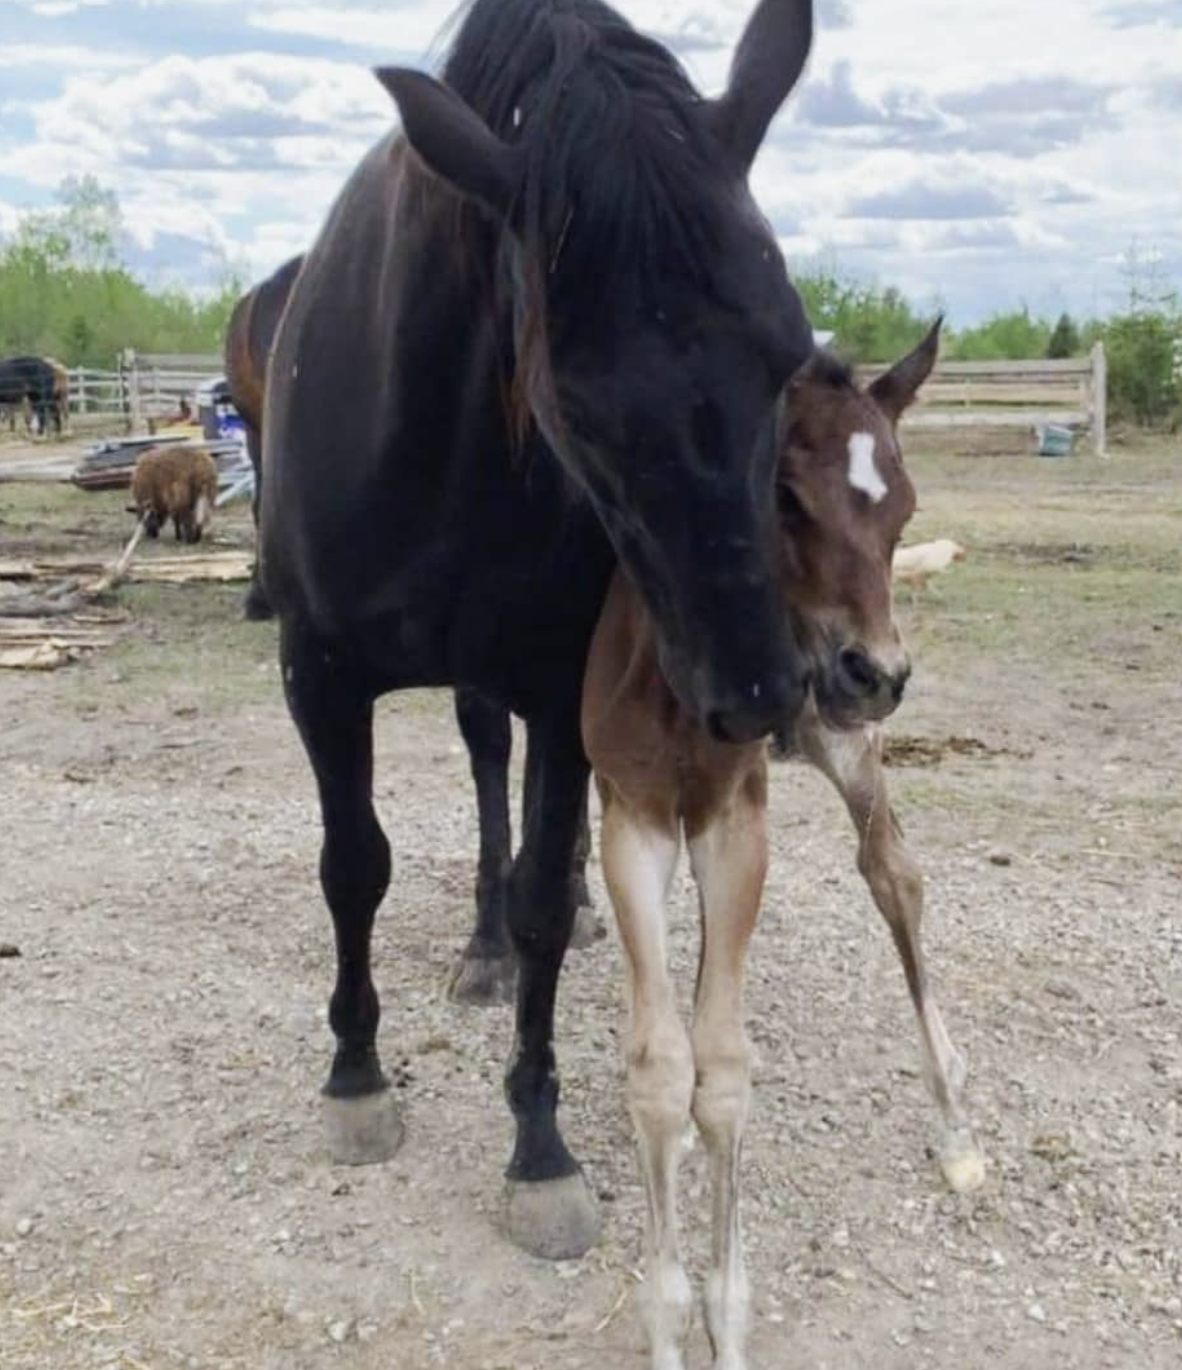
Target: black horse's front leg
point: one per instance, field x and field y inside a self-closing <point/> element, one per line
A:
<point x="334" y="714"/>
<point x="551" y="1211"/>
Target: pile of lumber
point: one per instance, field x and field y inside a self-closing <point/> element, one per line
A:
<point x="170" y="570"/>
<point x="43" y="644"/>
<point x="109" y="464"/>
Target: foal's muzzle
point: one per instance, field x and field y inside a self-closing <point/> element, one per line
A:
<point x="866" y="687"/>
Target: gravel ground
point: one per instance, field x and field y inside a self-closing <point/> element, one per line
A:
<point x="164" y="1198"/>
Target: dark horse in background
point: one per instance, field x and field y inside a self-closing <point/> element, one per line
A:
<point x="572" y="330"/>
<point x="31" y="385"/>
<point x="485" y="973"/>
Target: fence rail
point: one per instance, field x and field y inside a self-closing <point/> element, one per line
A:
<point x="144" y="386"/>
<point x="994" y="394"/>
<point x="959" y="394"/>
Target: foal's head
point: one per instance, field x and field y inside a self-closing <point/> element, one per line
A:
<point x="844" y="498"/>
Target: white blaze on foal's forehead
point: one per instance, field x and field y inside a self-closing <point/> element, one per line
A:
<point x="864" y="474"/>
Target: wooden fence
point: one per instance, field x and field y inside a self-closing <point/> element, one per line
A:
<point x="1024" y="394"/>
<point x="958" y="394"/>
<point x="145" y="386"/>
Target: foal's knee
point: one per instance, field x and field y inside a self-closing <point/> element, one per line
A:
<point x="661" y="1079"/>
<point x="894" y="877"/>
<point x="722" y="1091"/>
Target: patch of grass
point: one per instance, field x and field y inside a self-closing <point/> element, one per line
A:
<point x="190" y="643"/>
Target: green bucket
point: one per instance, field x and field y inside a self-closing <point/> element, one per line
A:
<point x="1054" y="440"/>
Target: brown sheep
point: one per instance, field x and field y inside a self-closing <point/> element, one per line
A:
<point x="178" y="483"/>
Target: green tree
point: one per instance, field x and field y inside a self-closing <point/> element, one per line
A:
<point x="1144" y="350"/>
<point x="65" y="291"/>
<point x="1065" y="340"/>
<point x="1011" y="336"/>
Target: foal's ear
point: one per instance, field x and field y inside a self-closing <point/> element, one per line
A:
<point x="452" y="139"/>
<point x="768" y="61"/>
<point x="895" y="389"/>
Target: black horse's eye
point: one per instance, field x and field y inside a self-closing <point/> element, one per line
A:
<point x="787" y="502"/>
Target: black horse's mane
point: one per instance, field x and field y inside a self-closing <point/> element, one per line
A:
<point x="621" y="177"/>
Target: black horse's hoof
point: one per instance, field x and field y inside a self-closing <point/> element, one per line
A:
<point x="364" y="1130"/>
<point x="588" y="928"/>
<point x="554" y="1219"/>
<point x="484" y="981"/>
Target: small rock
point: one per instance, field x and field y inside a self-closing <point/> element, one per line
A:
<point x="24" y="1227"/>
<point x="9" y="950"/>
<point x="1001" y="858"/>
<point x="339" y="1331"/>
<point x="1037" y="1313"/>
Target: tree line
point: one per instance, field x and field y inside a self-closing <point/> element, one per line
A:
<point x="66" y="292"/>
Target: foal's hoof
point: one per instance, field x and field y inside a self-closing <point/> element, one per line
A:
<point x="588" y="928"/>
<point x="362" y="1130"/>
<point x="963" y="1165"/>
<point x="483" y="981"/>
<point x="554" y="1219"/>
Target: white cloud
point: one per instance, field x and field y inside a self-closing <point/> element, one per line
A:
<point x="1027" y="144"/>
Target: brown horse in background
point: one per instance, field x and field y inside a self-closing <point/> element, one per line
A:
<point x="247" y="350"/>
<point x="844" y="498"/>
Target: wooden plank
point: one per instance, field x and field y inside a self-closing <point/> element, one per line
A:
<point x="205" y="362"/>
<point x="1048" y="397"/>
<point x="994" y="418"/>
<point x="1072" y="366"/>
<point x="1001" y="371"/>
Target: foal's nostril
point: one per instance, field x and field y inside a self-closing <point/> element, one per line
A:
<point x="898" y="683"/>
<point x="859" y="676"/>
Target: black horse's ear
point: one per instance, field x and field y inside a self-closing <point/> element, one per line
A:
<point x="895" y="389"/>
<point x="767" y="64"/>
<point x="452" y="139"/>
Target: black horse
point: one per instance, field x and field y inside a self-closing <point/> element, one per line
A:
<point x="571" y="330"/>
<point x="30" y="384"/>
<point x="485" y="973"/>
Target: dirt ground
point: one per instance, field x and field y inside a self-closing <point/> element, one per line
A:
<point x="165" y="1202"/>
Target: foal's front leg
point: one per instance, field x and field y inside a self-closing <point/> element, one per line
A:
<point x="729" y="859"/>
<point x="853" y="761"/>
<point x="639" y="857"/>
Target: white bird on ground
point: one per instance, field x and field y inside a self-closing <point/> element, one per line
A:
<point x="913" y="565"/>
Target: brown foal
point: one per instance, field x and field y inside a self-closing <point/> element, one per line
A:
<point x="844" y="499"/>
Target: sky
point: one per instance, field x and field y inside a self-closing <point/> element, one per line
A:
<point x="978" y="154"/>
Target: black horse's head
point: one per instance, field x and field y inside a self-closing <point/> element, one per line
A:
<point x="654" y="324"/>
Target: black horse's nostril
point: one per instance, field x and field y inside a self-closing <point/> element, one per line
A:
<point x="899" y="683"/>
<point x="859" y="676"/>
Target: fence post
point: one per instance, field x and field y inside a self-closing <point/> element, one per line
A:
<point x="1099" y="400"/>
<point x="133" y="406"/>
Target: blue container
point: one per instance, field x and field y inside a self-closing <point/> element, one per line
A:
<point x="1054" y="440"/>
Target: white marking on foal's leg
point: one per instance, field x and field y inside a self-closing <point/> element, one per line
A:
<point x="864" y="474"/>
<point x="729" y="862"/>
<point x="638" y="865"/>
<point x="896" y="884"/>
